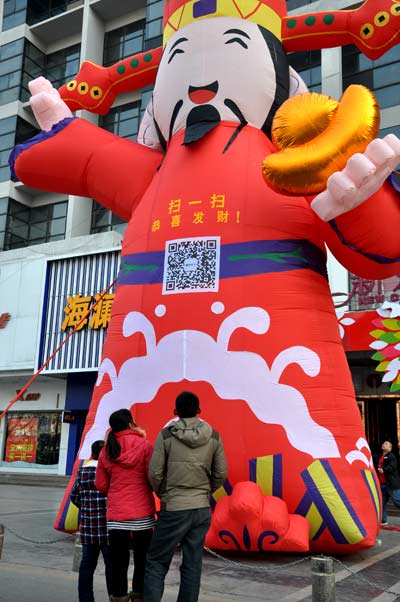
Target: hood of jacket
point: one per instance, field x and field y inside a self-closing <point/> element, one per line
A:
<point x="132" y="448"/>
<point x="193" y="432"/>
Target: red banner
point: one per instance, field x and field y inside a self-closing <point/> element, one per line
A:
<point x="21" y="439"/>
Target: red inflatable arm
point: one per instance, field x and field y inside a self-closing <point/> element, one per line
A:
<point x="97" y="164"/>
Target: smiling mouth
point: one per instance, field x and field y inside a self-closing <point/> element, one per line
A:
<point x="202" y="94"/>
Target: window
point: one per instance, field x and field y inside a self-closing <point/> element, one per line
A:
<point x="292" y="4"/>
<point x="123" y="121"/>
<point x="123" y="42"/>
<point x="3" y="219"/>
<point x="26" y="226"/>
<point x="11" y="57"/>
<point x="380" y="76"/>
<point x="147" y="93"/>
<point x="17" y="58"/>
<point x="392" y="130"/>
<point x="308" y="66"/>
<point x="14" y="13"/>
<point x="13" y="130"/>
<point x="63" y="65"/>
<point x="104" y="220"/>
<point x="34" y="66"/>
<point x="154" y="16"/>
<point x="59" y="67"/>
<point x="7" y="142"/>
<point x="39" y="10"/>
<point x="32" y="439"/>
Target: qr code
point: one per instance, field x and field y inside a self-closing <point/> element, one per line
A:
<point x="191" y="265"/>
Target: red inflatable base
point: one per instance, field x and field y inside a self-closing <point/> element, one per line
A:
<point x="250" y="521"/>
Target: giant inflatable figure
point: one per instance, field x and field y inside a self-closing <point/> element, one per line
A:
<point x="239" y="180"/>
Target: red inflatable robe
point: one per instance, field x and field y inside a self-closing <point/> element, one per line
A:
<point x="223" y="291"/>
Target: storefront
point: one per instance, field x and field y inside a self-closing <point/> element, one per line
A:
<point x="73" y="286"/>
<point x="46" y="299"/>
<point x="32" y="433"/>
<point x="372" y="343"/>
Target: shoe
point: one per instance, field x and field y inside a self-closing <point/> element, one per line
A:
<point x="136" y="596"/>
<point x="384" y="524"/>
<point x="125" y="598"/>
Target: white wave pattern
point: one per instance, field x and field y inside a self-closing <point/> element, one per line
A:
<point x="194" y="355"/>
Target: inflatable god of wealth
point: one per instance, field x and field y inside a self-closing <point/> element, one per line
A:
<point x="239" y="179"/>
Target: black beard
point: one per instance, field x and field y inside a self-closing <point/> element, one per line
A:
<point x="199" y="122"/>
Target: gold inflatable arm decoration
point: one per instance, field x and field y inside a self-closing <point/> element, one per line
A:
<point x="315" y="136"/>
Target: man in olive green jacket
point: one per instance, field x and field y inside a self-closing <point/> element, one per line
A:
<point x="187" y="465"/>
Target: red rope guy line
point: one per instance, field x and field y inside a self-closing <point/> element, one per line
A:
<point x="43" y="366"/>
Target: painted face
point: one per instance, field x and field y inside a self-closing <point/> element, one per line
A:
<point x="214" y="70"/>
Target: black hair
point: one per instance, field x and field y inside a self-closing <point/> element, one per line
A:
<point x="187" y="405"/>
<point x="281" y="66"/>
<point x="119" y="421"/>
<point x="97" y="446"/>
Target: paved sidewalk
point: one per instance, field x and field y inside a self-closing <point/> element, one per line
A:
<point x="42" y="572"/>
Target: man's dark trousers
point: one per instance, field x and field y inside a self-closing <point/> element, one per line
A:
<point x="189" y="528"/>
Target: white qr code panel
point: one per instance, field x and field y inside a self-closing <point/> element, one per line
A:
<point x="191" y="265"/>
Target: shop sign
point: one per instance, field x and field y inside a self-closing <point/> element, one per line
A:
<point x="368" y="294"/>
<point x="21" y="439"/>
<point x="4" y="319"/>
<point x="78" y="305"/>
<point x="28" y="396"/>
<point x="69" y="417"/>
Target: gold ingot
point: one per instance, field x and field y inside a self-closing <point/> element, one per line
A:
<point x="304" y="168"/>
<point x="301" y="118"/>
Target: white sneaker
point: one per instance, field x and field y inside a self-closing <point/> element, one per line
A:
<point x="384" y="524"/>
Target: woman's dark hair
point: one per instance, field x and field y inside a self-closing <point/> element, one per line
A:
<point x="119" y="421"/>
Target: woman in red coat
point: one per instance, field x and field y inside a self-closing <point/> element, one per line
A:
<point x="122" y="475"/>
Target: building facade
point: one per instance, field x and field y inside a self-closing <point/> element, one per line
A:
<point x="46" y="238"/>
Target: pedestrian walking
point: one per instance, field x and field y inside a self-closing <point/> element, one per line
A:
<point x="122" y="474"/>
<point x="187" y="465"/>
<point x="389" y="479"/>
<point x="93" y="525"/>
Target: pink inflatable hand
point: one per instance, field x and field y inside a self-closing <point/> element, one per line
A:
<point x="363" y="175"/>
<point x="46" y="103"/>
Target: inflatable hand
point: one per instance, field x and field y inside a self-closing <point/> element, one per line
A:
<point x="46" y="103"/>
<point x="250" y="521"/>
<point x="363" y="175"/>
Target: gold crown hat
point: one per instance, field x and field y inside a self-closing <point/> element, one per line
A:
<point x="373" y="29"/>
<point x="267" y="13"/>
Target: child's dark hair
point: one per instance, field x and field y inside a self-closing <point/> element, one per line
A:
<point x="97" y="446"/>
<point x="119" y="421"/>
<point x="187" y="405"/>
